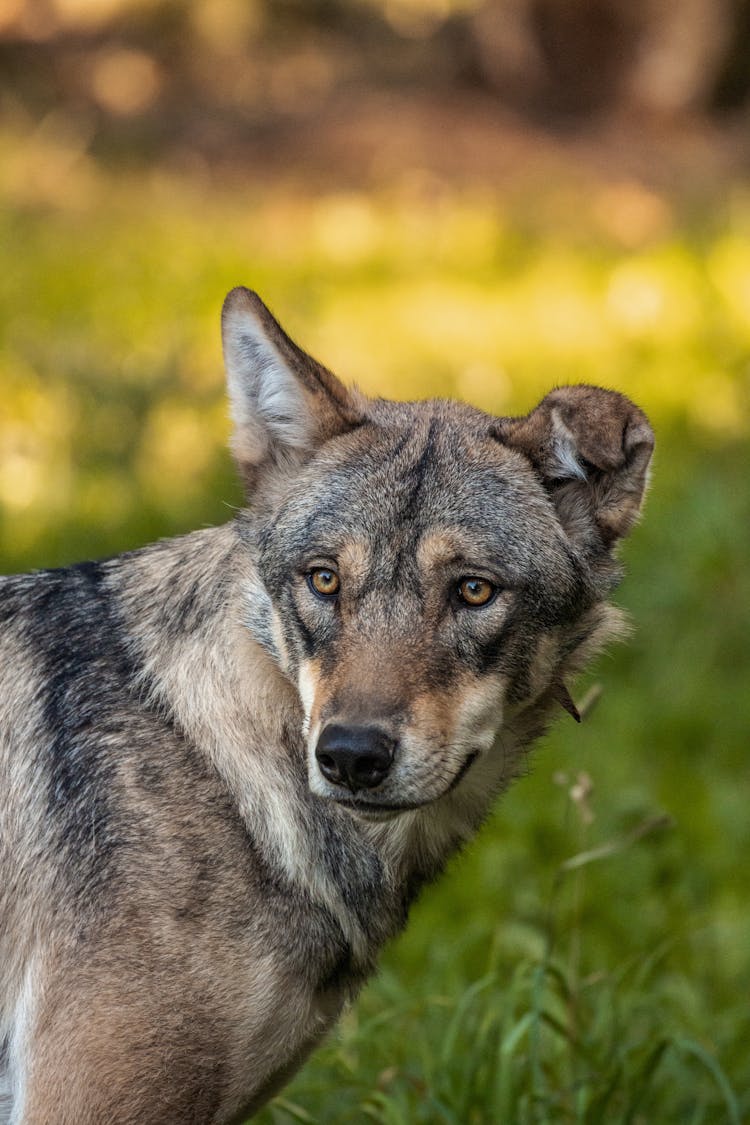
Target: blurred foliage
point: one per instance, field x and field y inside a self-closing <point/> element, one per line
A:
<point x="113" y="411"/>
<point x="114" y="430"/>
<point x="212" y="78"/>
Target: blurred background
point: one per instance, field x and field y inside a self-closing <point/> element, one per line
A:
<point x="477" y="198"/>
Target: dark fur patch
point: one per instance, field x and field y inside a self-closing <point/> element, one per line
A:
<point x="414" y="477"/>
<point x="357" y="871"/>
<point x="78" y="640"/>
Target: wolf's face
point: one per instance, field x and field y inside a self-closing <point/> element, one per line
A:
<point x="426" y="571"/>
<point x="416" y="567"/>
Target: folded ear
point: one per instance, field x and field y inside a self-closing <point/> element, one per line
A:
<point x="592" y="449"/>
<point x="284" y="404"/>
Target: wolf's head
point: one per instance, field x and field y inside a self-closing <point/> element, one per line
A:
<point x="429" y="573"/>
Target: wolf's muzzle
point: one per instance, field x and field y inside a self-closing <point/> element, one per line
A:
<point x="355" y="757"/>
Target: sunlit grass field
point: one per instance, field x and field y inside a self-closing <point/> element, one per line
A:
<point x="588" y="958"/>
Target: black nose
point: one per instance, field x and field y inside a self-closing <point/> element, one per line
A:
<point x="358" y="757"/>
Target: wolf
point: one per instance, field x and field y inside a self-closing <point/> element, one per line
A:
<point x="229" y="761"/>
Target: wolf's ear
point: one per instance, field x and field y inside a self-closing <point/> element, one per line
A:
<point x="284" y="404"/>
<point x="592" y="449"/>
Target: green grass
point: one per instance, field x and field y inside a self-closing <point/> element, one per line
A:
<point x="527" y="988"/>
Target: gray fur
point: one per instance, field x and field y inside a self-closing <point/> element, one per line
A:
<point x="186" y="902"/>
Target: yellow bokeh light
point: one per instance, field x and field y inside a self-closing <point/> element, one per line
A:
<point x="345" y="227"/>
<point x="729" y="269"/>
<point x="636" y="298"/>
<point x="124" y="81"/>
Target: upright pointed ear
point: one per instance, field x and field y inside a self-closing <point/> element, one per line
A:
<point x="592" y="449"/>
<point x="284" y="404"/>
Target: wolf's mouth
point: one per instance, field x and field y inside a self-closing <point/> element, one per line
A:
<point x="386" y="810"/>
<point x="372" y="807"/>
<point x="468" y="763"/>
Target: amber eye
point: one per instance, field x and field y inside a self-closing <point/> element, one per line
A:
<point x="324" y="582"/>
<point x="476" y="591"/>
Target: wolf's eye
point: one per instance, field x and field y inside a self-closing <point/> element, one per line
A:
<point x="476" y="591"/>
<point x="324" y="582"/>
